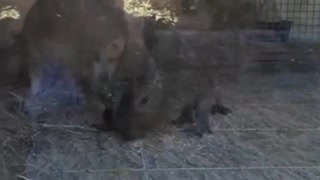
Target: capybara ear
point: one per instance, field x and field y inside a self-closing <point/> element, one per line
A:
<point x="115" y="48"/>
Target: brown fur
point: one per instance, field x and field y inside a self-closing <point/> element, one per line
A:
<point x="75" y="33"/>
<point x="143" y="104"/>
<point x="137" y="59"/>
<point x="140" y="110"/>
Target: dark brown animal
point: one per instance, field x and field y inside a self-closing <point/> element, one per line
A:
<point x="89" y="39"/>
<point x="137" y="110"/>
<point x="78" y="34"/>
<point x="139" y="101"/>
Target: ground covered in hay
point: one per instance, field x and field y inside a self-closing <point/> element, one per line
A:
<point x="271" y="134"/>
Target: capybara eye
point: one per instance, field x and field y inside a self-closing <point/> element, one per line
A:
<point x="144" y="100"/>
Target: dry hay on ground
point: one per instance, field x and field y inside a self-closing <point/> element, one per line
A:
<point x="15" y="134"/>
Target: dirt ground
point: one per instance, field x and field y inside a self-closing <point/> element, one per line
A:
<point x="272" y="132"/>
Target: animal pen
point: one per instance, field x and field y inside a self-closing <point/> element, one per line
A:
<point x="240" y="79"/>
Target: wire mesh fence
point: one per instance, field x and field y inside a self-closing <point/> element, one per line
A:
<point x="292" y="20"/>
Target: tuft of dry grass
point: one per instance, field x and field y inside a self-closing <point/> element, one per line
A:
<point x="15" y="132"/>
